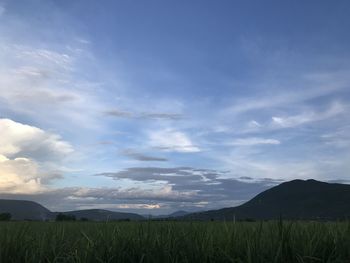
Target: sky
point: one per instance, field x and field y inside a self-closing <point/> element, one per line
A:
<point x="158" y="106"/>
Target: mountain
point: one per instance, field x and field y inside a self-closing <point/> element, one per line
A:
<point x="28" y="210"/>
<point x="25" y="210"/>
<point x="103" y="215"/>
<point x="297" y="199"/>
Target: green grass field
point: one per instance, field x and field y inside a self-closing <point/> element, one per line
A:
<point x="174" y="242"/>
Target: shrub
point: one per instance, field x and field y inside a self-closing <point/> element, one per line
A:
<point x="64" y="217"/>
<point x="5" y="217"/>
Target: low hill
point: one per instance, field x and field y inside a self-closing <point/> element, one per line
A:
<point x="25" y="210"/>
<point x="297" y="199"/>
<point x="103" y="215"/>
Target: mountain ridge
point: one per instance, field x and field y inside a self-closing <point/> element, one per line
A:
<point x="296" y="199"/>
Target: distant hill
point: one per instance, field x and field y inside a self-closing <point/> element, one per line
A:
<point x="297" y="199"/>
<point x="28" y="210"/>
<point x="25" y="210"/>
<point x="179" y="213"/>
<point x="103" y="215"/>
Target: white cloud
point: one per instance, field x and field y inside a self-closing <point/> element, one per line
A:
<point x="254" y="141"/>
<point x="24" y="151"/>
<point x="171" y="140"/>
<point x="253" y="124"/>
<point x="19" y="175"/>
<point x="24" y="140"/>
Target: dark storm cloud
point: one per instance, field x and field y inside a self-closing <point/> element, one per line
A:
<point x="209" y="185"/>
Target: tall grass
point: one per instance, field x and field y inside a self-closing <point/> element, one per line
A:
<point x="175" y="242"/>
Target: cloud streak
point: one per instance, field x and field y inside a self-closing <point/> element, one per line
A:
<point x="142" y="157"/>
<point x="254" y="141"/>
<point x="144" y="115"/>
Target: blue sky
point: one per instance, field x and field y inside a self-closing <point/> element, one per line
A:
<point x="156" y="106"/>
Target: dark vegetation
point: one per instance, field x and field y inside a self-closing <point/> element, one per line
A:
<point x="64" y="217"/>
<point x="273" y="241"/>
<point x="103" y="215"/>
<point x="5" y="216"/>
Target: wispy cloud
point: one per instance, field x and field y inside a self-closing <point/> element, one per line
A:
<point x="2" y="10"/>
<point x="45" y="57"/>
<point x="340" y="138"/>
<point x="307" y="117"/>
<point x="277" y="95"/>
<point x="36" y="80"/>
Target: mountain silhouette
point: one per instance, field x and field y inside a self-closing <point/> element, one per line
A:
<point x="25" y="210"/>
<point x="297" y="199"/>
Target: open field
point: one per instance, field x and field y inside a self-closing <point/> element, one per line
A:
<point x="175" y="242"/>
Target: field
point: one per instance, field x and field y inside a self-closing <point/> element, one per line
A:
<point x="174" y="242"/>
